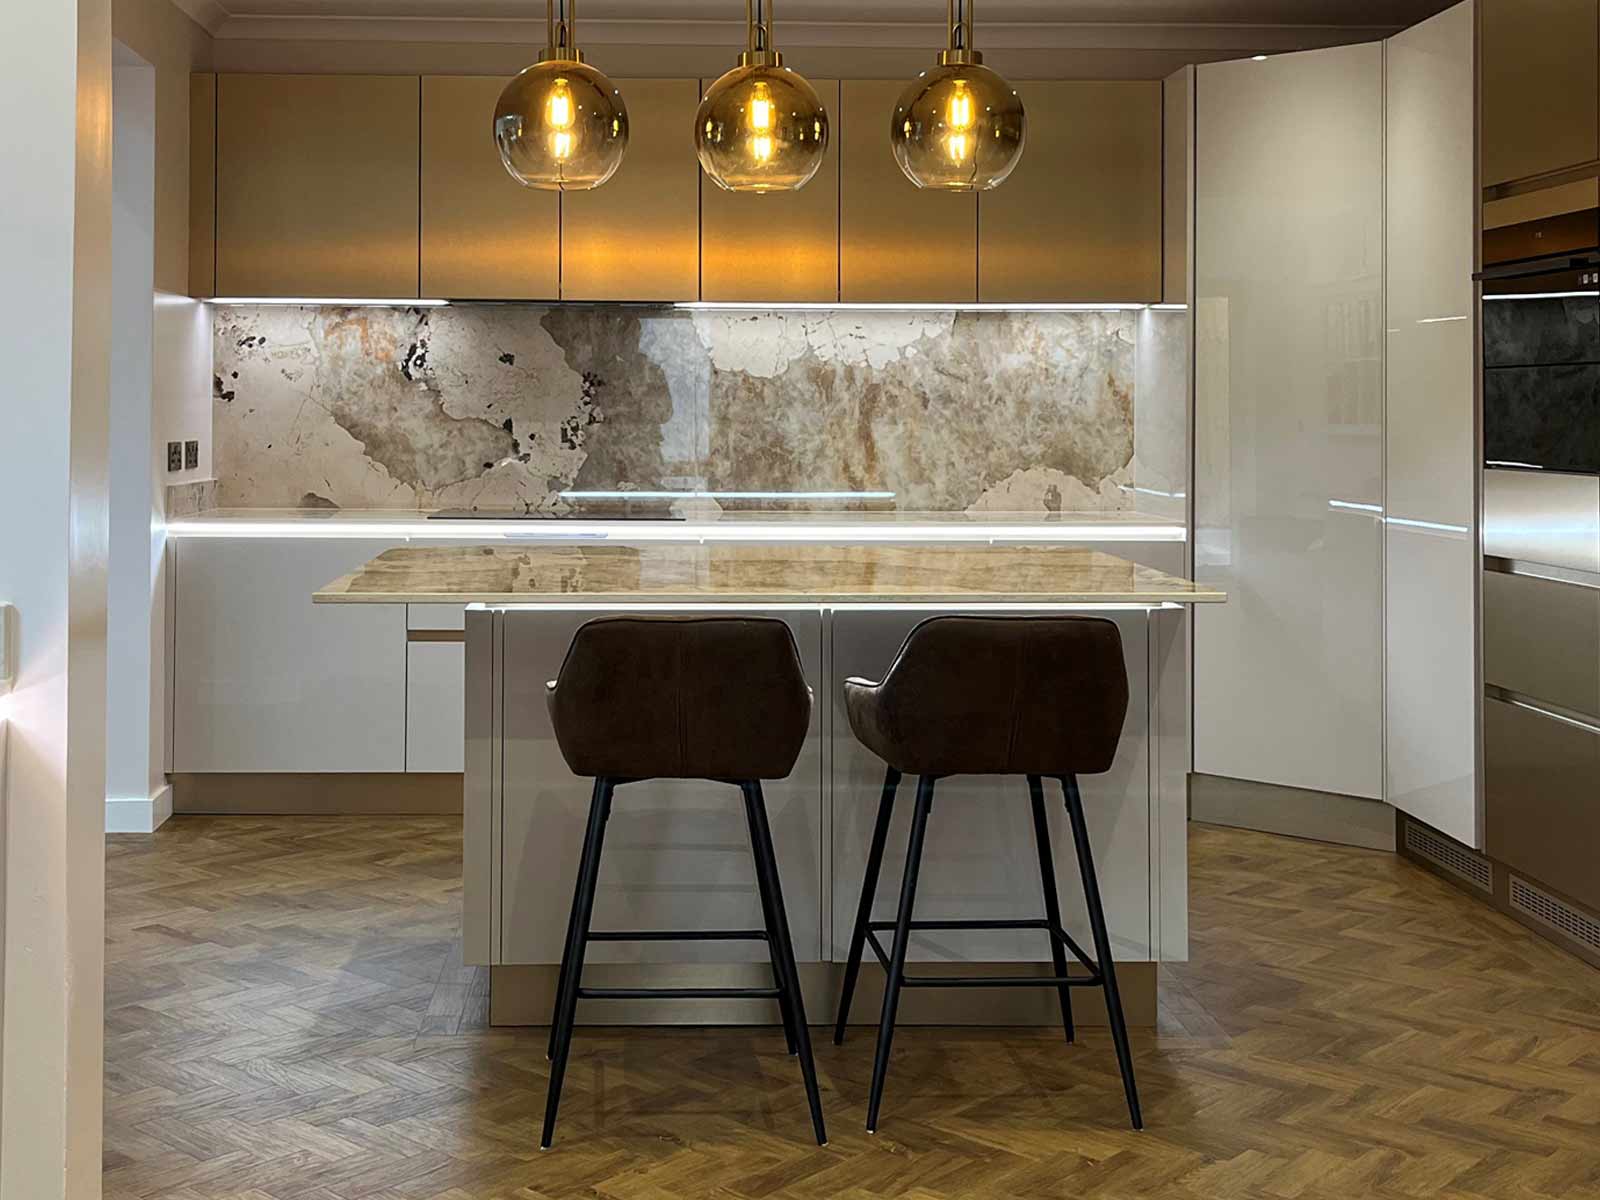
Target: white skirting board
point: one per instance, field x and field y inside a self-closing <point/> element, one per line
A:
<point x="138" y="814"/>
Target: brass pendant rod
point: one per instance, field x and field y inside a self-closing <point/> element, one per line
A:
<point x="960" y="24"/>
<point x="758" y="17"/>
<point x="561" y="16"/>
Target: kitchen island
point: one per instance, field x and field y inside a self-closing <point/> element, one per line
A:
<point x="680" y="859"/>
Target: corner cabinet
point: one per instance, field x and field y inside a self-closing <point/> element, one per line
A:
<point x="483" y="234"/>
<point x="317" y="180"/>
<point x="1079" y="219"/>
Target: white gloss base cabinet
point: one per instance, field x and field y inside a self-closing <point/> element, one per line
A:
<point x="677" y="852"/>
<point x="263" y="680"/>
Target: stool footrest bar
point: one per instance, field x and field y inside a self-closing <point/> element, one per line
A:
<point x="678" y="935"/>
<point x="688" y="993"/>
<point x="1001" y="981"/>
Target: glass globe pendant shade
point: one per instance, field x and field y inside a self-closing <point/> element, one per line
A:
<point x="959" y="127"/>
<point x="561" y="125"/>
<point x="761" y="127"/>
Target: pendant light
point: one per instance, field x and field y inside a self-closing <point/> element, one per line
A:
<point x="958" y="127"/>
<point x="761" y="127"/>
<point x="561" y="125"/>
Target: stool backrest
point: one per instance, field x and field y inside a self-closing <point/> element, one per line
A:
<point x="669" y="697"/>
<point x="1042" y="695"/>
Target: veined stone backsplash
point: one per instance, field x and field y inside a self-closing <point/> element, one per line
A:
<point x="507" y="406"/>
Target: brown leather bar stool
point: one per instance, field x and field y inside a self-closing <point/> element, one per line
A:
<point x="666" y="697"/>
<point x="1031" y="696"/>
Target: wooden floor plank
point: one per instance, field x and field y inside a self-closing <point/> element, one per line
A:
<point x="287" y="1019"/>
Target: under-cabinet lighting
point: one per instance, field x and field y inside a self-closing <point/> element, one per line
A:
<point x="564" y="530"/>
<point x="956" y="605"/>
<point x="1168" y="307"/>
<point x="645" y="495"/>
<point x="1589" y="295"/>
<point x="1258" y="58"/>
<point x="779" y="306"/>
<point x="1511" y="462"/>
<point x="329" y="302"/>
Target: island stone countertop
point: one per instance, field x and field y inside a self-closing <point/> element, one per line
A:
<point x="732" y="572"/>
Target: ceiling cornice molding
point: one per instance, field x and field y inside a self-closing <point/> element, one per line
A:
<point x="1064" y="35"/>
<point x="208" y="14"/>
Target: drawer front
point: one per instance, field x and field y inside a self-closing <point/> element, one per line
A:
<point x="1542" y="797"/>
<point x="1541" y="639"/>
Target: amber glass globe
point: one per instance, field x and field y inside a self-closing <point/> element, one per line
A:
<point x="958" y="127"/>
<point x="761" y="128"/>
<point x="561" y="126"/>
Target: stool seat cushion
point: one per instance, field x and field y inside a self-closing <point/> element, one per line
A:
<point x="670" y="697"/>
<point x="1004" y="695"/>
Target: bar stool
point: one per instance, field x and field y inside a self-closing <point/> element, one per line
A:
<point x="1033" y="696"/>
<point x="668" y="697"/>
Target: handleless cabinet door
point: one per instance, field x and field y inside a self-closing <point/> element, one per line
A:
<point x="317" y="185"/>
<point x="1538" y="74"/>
<point x="202" y="185"/>
<point x="484" y="235"/>
<point x="1079" y="219"/>
<point x="637" y="236"/>
<point x="782" y="247"/>
<point x="896" y="243"/>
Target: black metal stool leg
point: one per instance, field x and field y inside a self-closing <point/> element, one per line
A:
<point x="1052" y="901"/>
<point x="785" y="1009"/>
<point x="767" y="863"/>
<point x="1102" y="946"/>
<point x="572" y="921"/>
<point x="869" y="891"/>
<point x="583" y="911"/>
<point x="897" y="956"/>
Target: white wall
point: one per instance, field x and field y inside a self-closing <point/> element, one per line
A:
<point x="135" y="788"/>
<point x="1430" y="444"/>
<point x="1288" y="499"/>
<point x="55" y="238"/>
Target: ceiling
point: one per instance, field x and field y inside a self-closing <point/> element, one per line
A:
<point x="832" y="21"/>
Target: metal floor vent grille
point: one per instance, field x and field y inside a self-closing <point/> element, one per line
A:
<point x="1557" y="914"/>
<point x="1442" y="852"/>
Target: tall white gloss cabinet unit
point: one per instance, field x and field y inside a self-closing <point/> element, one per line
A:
<point x="1288" y="675"/>
<point x="1430" y="441"/>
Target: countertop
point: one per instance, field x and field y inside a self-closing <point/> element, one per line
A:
<point x="745" y="573"/>
<point x="735" y="525"/>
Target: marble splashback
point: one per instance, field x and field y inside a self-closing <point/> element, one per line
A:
<point x="507" y="406"/>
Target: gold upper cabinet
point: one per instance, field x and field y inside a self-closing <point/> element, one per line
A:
<point x="897" y="244"/>
<point x="317" y="183"/>
<point x="1538" y="80"/>
<point x="484" y="235"/>
<point x="781" y="247"/>
<point x="1079" y="220"/>
<point x="637" y="236"/>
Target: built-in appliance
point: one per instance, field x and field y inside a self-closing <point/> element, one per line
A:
<point x="1541" y="343"/>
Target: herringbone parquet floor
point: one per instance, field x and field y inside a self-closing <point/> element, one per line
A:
<point x="285" y="1019"/>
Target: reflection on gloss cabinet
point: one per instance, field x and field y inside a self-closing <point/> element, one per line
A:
<point x="637" y="237"/>
<point x="317" y="185"/>
<point x="484" y="235"/>
<point x="896" y="243"/>
<point x="782" y="247"/>
<point x="1079" y="219"/>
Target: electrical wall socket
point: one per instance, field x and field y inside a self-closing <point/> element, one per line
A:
<point x="174" y="456"/>
<point x="191" y="456"/>
<point x="8" y="647"/>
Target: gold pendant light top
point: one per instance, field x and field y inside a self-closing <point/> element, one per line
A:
<point x="561" y="125"/>
<point x="761" y="127"/>
<point x="960" y="126"/>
